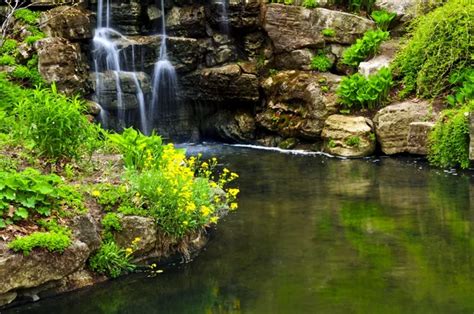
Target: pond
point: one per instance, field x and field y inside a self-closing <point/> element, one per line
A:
<point x="315" y="234"/>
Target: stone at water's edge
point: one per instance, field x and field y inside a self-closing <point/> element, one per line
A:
<point x="61" y="61"/>
<point x="137" y="227"/>
<point x="298" y="103"/>
<point x="471" y="146"/>
<point x="349" y="136"/>
<point x="392" y="124"/>
<point x="418" y="137"/>
<point x="293" y="27"/>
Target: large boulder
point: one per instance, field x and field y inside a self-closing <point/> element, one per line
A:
<point x="293" y="27"/>
<point x="134" y="227"/>
<point x="73" y="23"/>
<point x="62" y="62"/>
<point x="298" y="103"/>
<point x="349" y="136"/>
<point x="392" y="124"/>
<point x="418" y="137"/>
<point x="18" y="271"/>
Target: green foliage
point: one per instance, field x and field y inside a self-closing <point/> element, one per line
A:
<point x="356" y="5"/>
<point x="328" y="32"/>
<point x="360" y="92"/>
<point x="111" y="222"/>
<point x="463" y="89"/>
<point x="383" y="19"/>
<point x="7" y="60"/>
<point x="111" y="260"/>
<point x="137" y="149"/>
<point x="310" y="4"/>
<point x="56" y="125"/>
<point x="288" y="2"/>
<point x="439" y="44"/>
<point x="27" y="16"/>
<point x="57" y="239"/>
<point x="321" y="63"/>
<point x="364" y="48"/>
<point x="353" y="141"/>
<point x="30" y="40"/>
<point x="30" y="193"/>
<point x="9" y="46"/>
<point x="24" y="73"/>
<point x="449" y="140"/>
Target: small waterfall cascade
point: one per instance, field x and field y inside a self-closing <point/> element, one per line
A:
<point x="224" y="17"/>
<point x="108" y="64"/>
<point x="164" y="82"/>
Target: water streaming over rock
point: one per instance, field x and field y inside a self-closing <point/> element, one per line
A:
<point x="224" y="17"/>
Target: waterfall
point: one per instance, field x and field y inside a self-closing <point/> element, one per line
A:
<point x="164" y="82"/>
<point x="107" y="60"/>
<point x="224" y="17"/>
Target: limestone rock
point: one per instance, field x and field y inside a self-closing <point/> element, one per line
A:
<point x="61" y="62"/>
<point x="137" y="227"/>
<point x="187" y="21"/>
<point x="418" y="137"/>
<point x="349" y="136"/>
<point x="292" y="27"/>
<point x="298" y="103"/>
<point x="295" y="60"/>
<point x="392" y="124"/>
<point x="385" y="57"/>
<point x="7" y="298"/>
<point x="68" y="22"/>
<point x="241" y="15"/>
<point x="19" y="272"/>
<point x="127" y="16"/>
<point x="236" y="127"/>
<point x="405" y="9"/>
<point x="85" y="230"/>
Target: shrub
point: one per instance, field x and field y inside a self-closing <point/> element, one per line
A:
<point x="53" y="241"/>
<point x="321" y="62"/>
<point x="26" y="74"/>
<point x="7" y="60"/>
<point x="9" y="46"/>
<point x="463" y="89"/>
<point x="364" y="48"/>
<point x="111" y="222"/>
<point x="310" y="4"/>
<point x="30" y="40"/>
<point x="361" y="92"/>
<point x="383" y="19"/>
<point x="449" y="140"/>
<point x="56" y="125"/>
<point x="439" y="45"/>
<point x="31" y="193"/>
<point x="111" y="260"/>
<point x="328" y="32"/>
<point x="27" y="16"/>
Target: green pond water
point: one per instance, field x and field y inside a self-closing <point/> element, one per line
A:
<point x="315" y="235"/>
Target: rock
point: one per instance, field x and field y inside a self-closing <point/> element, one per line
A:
<point x="253" y="44"/>
<point x="405" y="9"/>
<point x="7" y="298"/>
<point x="73" y="23"/>
<point x="418" y="137"/>
<point x="127" y="16"/>
<point x="235" y="127"/>
<point x="241" y="15"/>
<point x="392" y="124"/>
<point x="471" y="146"/>
<point x="296" y="60"/>
<point x="223" y="85"/>
<point x="349" y="136"/>
<point x="92" y="108"/>
<point x="187" y="21"/>
<point x="62" y="62"/>
<point x="85" y="230"/>
<point x="288" y="143"/>
<point x="385" y="57"/>
<point x="20" y="272"/>
<point x="107" y="91"/>
<point x="298" y="103"/>
<point x="292" y="27"/>
<point x="137" y="227"/>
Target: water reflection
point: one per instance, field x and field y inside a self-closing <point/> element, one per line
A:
<point x="315" y="234"/>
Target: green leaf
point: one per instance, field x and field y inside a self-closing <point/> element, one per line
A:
<point x="22" y="213"/>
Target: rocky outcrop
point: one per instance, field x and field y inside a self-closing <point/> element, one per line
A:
<point x="349" y="136"/>
<point x="298" y="103"/>
<point x="61" y="62"/>
<point x="392" y="124"/>
<point x="187" y="21"/>
<point x="293" y="27"/>
<point x="68" y="22"/>
<point x="418" y="137"/>
<point x="237" y="127"/>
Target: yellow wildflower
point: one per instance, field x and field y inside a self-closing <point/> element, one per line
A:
<point x="136" y="240"/>
<point x="214" y="219"/>
<point x="205" y="211"/>
<point x="234" y="206"/>
<point x="185" y="223"/>
<point x="96" y="193"/>
<point x="128" y="251"/>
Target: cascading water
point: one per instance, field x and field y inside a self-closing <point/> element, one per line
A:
<point x="165" y="82"/>
<point x="224" y="18"/>
<point x="107" y="60"/>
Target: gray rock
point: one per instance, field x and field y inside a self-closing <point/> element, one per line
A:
<point x="298" y="103"/>
<point x="137" y="227"/>
<point x="405" y="9"/>
<point x="295" y="60"/>
<point x="392" y="124"/>
<point x="349" y="136"/>
<point x="418" y="137"/>
<point x="73" y="23"/>
<point x="85" y="230"/>
<point x="187" y="21"/>
<point x="62" y="62"/>
<point x="292" y="27"/>
<point x="385" y="57"/>
<point x="235" y="127"/>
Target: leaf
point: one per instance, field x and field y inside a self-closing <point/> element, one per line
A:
<point x="21" y="212"/>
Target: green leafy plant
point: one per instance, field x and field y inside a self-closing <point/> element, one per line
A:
<point x="321" y="63"/>
<point x="111" y="222"/>
<point x="353" y="141"/>
<point x="27" y="16"/>
<point x="310" y="4"/>
<point x="449" y="140"/>
<point x="137" y="149"/>
<point x="463" y="89"/>
<point x="56" y="125"/>
<point x="30" y="40"/>
<point x="52" y="241"/>
<point x="364" y="48"/>
<point x="30" y="193"/>
<point x="9" y="46"/>
<point x="111" y="260"/>
<point x="7" y="60"/>
<point x="383" y="19"/>
<point x="360" y="92"/>
<point x="439" y="45"/>
<point x="328" y="32"/>
<point x="25" y="74"/>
